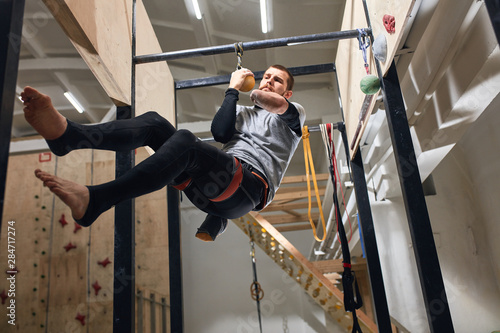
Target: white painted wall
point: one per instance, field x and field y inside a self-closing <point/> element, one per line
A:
<point x="464" y="217"/>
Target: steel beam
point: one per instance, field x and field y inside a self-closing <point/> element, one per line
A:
<point x="11" y="24"/>
<point x="124" y="250"/>
<point x="370" y="245"/>
<point x="431" y="279"/>
<point x="175" y="262"/>
<point x="494" y="12"/>
<point x="224" y="79"/>
<point x="256" y="45"/>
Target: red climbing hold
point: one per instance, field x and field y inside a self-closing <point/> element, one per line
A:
<point x="80" y="318"/>
<point x="389" y="23"/>
<point x="4" y="296"/>
<point x="96" y="287"/>
<point x="104" y="262"/>
<point x="69" y="246"/>
<point x="62" y="220"/>
<point x="77" y="227"/>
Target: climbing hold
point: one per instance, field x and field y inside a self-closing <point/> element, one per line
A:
<point x="380" y="48"/>
<point x="370" y="84"/>
<point x="80" y="318"/>
<point x="4" y="296"/>
<point x="62" y="220"/>
<point x="77" y="227"/>
<point x="104" y="262"/>
<point x="248" y="84"/>
<point x="69" y="246"/>
<point x="96" y="287"/>
<point x="389" y="23"/>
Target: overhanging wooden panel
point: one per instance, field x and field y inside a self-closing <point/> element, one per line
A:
<point x="350" y="63"/>
<point x="101" y="32"/>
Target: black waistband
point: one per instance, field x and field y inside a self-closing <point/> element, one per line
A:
<point x="251" y="168"/>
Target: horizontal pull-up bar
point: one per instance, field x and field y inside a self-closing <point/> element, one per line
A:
<point x="224" y="79"/>
<point x="309" y="128"/>
<point x="263" y="44"/>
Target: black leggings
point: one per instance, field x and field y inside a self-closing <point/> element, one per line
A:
<point x="179" y="156"/>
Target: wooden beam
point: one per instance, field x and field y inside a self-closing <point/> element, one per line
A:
<point x="284" y="219"/>
<point x="101" y="32"/>
<point x="336" y="265"/>
<point x="299" y="194"/>
<point x="303" y="178"/>
<point x="277" y="206"/>
<point x="295" y="227"/>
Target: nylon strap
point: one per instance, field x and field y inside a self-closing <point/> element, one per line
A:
<point x="309" y="162"/>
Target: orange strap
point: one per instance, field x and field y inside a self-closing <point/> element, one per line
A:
<point x="182" y="186"/>
<point x="266" y="186"/>
<point x="309" y="161"/>
<point x="233" y="185"/>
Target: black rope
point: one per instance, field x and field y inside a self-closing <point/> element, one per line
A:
<point x="352" y="296"/>
<point x="257" y="293"/>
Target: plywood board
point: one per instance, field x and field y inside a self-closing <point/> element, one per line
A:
<point x="30" y="210"/>
<point x="102" y="169"/>
<point x="152" y="239"/>
<point x="350" y="63"/>
<point x="101" y="32"/>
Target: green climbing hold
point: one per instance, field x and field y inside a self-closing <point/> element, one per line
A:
<point x="370" y="84"/>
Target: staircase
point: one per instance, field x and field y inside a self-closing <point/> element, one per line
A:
<point x="308" y="275"/>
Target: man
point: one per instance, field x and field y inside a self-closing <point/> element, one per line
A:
<point x="244" y="175"/>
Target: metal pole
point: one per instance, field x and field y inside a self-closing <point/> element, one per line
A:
<point x="124" y="251"/>
<point x="174" y="262"/>
<point x="224" y="79"/>
<point x="431" y="279"/>
<point x="370" y="243"/>
<point x="11" y="26"/>
<point x="256" y="45"/>
<point x="494" y="12"/>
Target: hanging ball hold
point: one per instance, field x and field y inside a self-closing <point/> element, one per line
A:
<point x="370" y="84"/>
<point x="248" y="84"/>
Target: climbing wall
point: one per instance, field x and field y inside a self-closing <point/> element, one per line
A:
<point x="64" y="279"/>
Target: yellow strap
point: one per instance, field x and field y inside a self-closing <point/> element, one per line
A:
<point x="309" y="161"/>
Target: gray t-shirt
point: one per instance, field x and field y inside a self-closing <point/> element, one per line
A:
<point x="265" y="141"/>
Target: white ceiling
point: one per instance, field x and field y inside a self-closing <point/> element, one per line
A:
<point x="50" y="63"/>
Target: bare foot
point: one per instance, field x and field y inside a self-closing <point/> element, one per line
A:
<point x="74" y="195"/>
<point x="41" y="114"/>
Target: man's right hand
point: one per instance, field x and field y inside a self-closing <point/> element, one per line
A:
<point x="238" y="78"/>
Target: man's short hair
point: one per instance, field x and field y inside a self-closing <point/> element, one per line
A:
<point x="290" y="81"/>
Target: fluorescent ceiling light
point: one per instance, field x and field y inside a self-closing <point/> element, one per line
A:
<point x="263" y="16"/>
<point x="266" y="15"/>
<point x="74" y="101"/>
<point x="197" y="10"/>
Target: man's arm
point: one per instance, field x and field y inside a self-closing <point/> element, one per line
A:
<point x="222" y="127"/>
<point x="269" y="101"/>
